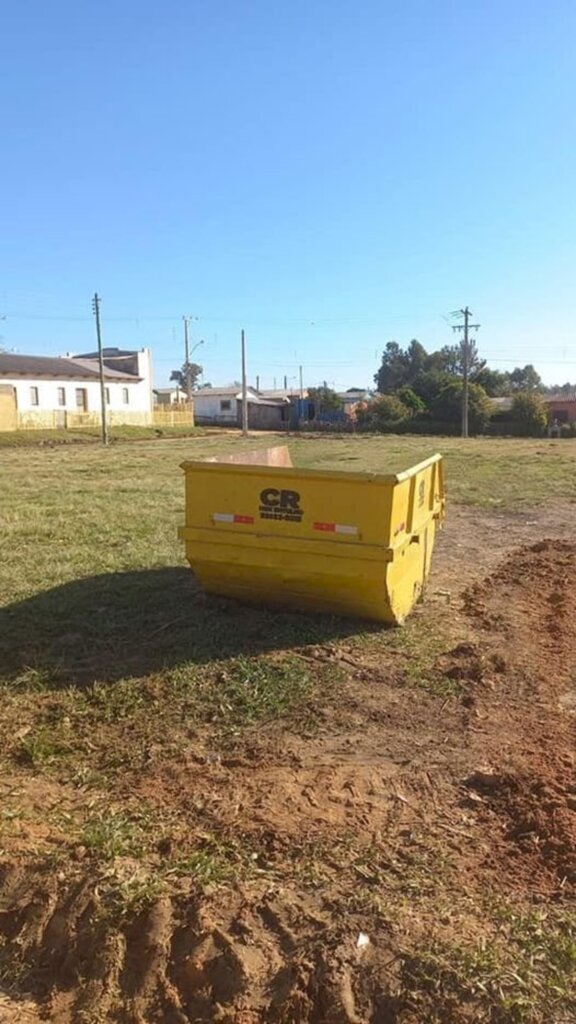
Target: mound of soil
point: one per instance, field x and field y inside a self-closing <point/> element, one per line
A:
<point x="526" y="614"/>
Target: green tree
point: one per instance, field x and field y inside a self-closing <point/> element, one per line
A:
<point x="447" y="406"/>
<point x="525" y="379"/>
<point x="416" y="359"/>
<point x="325" y="399"/>
<point x="403" y="368"/>
<point x="410" y="399"/>
<point x="384" y="414"/>
<point x="494" y="382"/>
<point x="181" y="376"/>
<point x="529" y="415"/>
<point x="393" y="370"/>
<point x="429" y="383"/>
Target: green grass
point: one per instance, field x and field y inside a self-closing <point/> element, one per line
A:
<point x="91" y="436"/>
<point x="76" y="512"/>
<point x="111" y="834"/>
<point x="523" y="972"/>
<point x="246" y="690"/>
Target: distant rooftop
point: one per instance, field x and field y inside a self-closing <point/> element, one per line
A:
<point x="561" y="397"/>
<point x="68" y="368"/>
<point x="282" y="392"/>
<point x="255" y="397"/>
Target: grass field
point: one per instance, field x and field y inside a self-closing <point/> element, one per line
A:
<point x="166" y="751"/>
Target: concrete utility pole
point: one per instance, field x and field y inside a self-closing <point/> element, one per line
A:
<point x="188" y="377"/>
<point x="96" y="311"/>
<point x="466" y="326"/>
<point x="187" y="356"/>
<point x="301" y="384"/>
<point x="244" y="390"/>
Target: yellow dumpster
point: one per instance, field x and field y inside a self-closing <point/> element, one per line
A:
<point x="356" y="544"/>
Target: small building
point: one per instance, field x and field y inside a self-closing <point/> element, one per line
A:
<point x="222" y="407"/>
<point x="561" y="408"/>
<point x="169" y="396"/>
<point x="56" y="391"/>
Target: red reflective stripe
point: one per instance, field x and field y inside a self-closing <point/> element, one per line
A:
<point x="327" y="527"/>
<point x="244" y="519"/>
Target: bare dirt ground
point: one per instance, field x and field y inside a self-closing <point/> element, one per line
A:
<point x="433" y="781"/>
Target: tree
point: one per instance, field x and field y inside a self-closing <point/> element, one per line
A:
<point x="392" y="373"/>
<point x="410" y="399"/>
<point x="529" y="415"/>
<point x="447" y="406"/>
<point x="402" y="368"/>
<point x="181" y="376"/>
<point x="429" y="384"/>
<point x="494" y="382"/>
<point x="384" y="414"/>
<point x="525" y="379"/>
<point x="416" y="358"/>
<point x="450" y="359"/>
<point x="325" y="399"/>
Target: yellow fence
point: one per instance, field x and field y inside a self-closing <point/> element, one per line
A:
<point x="173" y="416"/>
<point x="161" y="416"/>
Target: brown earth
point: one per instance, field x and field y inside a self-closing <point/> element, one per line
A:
<point x="417" y="794"/>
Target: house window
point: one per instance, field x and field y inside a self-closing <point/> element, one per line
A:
<point x="225" y="405"/>
<point x="34" y="396"/>
<point x="107" y="394"/>
<point x="125" y="396"/>
<point x="61" y="396"/>
<point x="81" y="399"/>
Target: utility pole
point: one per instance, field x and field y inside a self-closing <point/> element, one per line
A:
<point x="244" y="391"/>
<point x="96" y="311"/>
<point x="188" y="378"/>
<point x="258" y="383"/>
<point x="466" y="327"/>
<point x="301" y="384"/>
<point x="187" y="356"/>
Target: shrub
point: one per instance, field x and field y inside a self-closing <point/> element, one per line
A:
<point x="528" y="415"/>
<point x="384" y="414"/>
<point x="411" y="400"/>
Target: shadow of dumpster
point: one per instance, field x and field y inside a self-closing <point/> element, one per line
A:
<point x="108" y="627"/>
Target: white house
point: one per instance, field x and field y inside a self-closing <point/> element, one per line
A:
<point x="223" y="407"/>
<point x="53" y="391"/>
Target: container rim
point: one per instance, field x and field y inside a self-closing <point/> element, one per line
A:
<point x="247" y="469"/>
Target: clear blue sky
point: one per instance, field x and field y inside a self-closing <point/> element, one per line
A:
<point x="330" y="175"/>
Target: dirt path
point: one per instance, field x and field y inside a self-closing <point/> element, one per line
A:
<point x="415" y="798"/>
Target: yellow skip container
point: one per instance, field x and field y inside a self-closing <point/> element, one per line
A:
<point x="356" y="544"/>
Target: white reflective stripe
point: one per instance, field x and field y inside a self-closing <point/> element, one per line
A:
<point x="345" y="529"/>
<point x="223" y="517"/>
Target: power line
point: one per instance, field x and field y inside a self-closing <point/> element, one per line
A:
<point x="304" y="321"/>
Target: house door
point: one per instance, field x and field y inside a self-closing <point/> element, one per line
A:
<point x="81" y="400"/>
